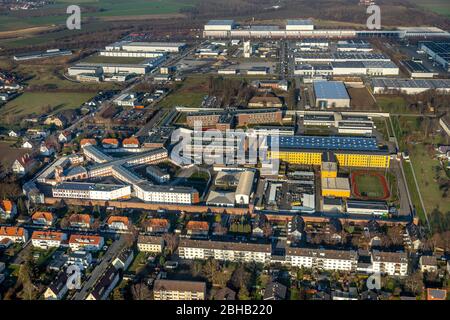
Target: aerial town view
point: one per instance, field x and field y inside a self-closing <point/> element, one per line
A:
<point x="225" y="150"/>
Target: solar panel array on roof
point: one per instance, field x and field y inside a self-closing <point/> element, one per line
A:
<point x="415" y="67"/>
<point x="330" y="90"/>
<point x="409" y="83"/>
<point x="325" y="143"/>
<point x="441" y="49"/>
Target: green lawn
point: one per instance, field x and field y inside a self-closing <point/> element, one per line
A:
<point x="189" y="94"/>
<point x="392" y="104"/>
<point x="441" y="7"/>
<point x="106" y="8"/>
<point x="31" y="103"/>
<point x="369" y="186"/>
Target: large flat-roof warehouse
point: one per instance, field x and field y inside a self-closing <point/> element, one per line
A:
<point x="349" y="151"/>
<point x="331" y="94"/>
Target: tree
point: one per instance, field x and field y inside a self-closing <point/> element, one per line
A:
<point x="243" y="293"/>
<point x="171" y="241"/>
<point x="29" y="290"/>
<point x="140" y="291"/>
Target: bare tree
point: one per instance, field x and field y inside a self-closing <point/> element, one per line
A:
<point x="140" y="291"/>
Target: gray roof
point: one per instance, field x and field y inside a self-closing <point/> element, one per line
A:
<point x="330" y="90"/>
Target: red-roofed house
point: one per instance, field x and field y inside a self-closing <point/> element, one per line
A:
<point x="197" y="228"/>
<point x="130" y="143"/>
<point x="85" y="242"/>
<point x="158" y="225"/>
<point x="47" y="239"/>
<point x="110" y="143"/>
<point x="81" y="221"/>
<point x="23" y="165"/>
<point x="43" y="218"/>
<point x="87" y="142"/>
<point x="16" y="234"/>
<point x="8" y="209"/>
<point x="118" y="223"/>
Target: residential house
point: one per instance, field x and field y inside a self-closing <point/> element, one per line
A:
<point x="13" y="134"/>
<point x="296" y="227"/>
<point x="158" y="225"/>
<point x="43" y="218"/>
<point x="179" y="290"/>
<point x="104" y="285"/>
<point x="123" y="260"/>
<point x="118" y="223"/>
<point x="15" y="234"/>
<point x="82" y="221"/>
<point x="259" y="225"/>
<point x="197" y="228"/>
<point x="275" y="291"/>
<point x="8" y="209"/>
<point x="391" y="263"/>
<point x="47" y="239"/>
<point x="85" y="242"/>
<point x="130" y="143"/>
<point x="58" y="288"/>
<point x="46" y="149"/>
<point x="82" y="259"/>
<point x="23" y="165"/>
<point x="428" y="264"/>
<point x="110" y="143"/>
<point x="150" y="244"/>
<point x="27" y="145"/>
<point x="88" y="142"/>
<point x="64" y="137"/>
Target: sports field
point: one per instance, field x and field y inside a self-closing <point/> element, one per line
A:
<point x="369" y="185"/>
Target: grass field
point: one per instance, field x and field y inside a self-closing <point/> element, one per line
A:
<point x="441" y="7"/>
<point x="33" y="103"/>
<point x="189" y="94"/>
<point x="368" y="186"/>
<point x="106" y="8"/>
<point x="392" y="104"/>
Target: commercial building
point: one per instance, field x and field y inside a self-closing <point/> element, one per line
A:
<point x="417" y="69"/>
<point x="331" y="94"/>
<point x="325" y="57"/>
<point x="333" y="260"/>
<point x="336" y="187"/>
<point x="179" y="290"/>
<point x="224" y="251"/>
<point x="409" y="86"/>
<point x="377" y="208"/>
<point x="439" y="51"/>
<point x="42" y="54"/>
<point x="131" y="46"/>
<point x="349" y="151"/>
<point x="369" y="68"/>
<point x="305" y="29"/>
<point x="390" y="263"/>
<point x="113" y="68"/>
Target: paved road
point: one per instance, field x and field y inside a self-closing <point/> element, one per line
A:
<point x="106" y="260"/>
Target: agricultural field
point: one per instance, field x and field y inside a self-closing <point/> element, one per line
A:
<point x="441" y="7"/>
<point x="97" y="8"/>
<point x="34" y="103"/>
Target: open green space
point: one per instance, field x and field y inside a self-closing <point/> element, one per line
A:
<point x="441" y="7"/>
<point x="392" y="104"/>
<point x="103" y="8"/>
<point x="34" y="103"/>
<point x="190" y="93"/>
<point x="369" y="186"/>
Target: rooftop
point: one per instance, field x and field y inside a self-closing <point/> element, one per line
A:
<point x="330" y="90"/>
